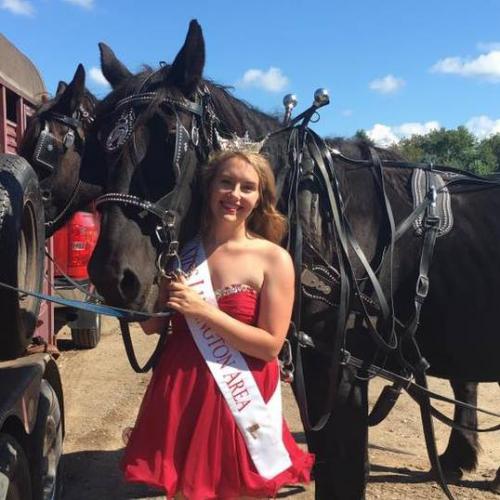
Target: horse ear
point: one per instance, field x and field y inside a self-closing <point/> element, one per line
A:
<point x="187" y="68"/>
<point x="113" y="70"/>
<point x="61" y="87"/>
<point x="71" y="95"/>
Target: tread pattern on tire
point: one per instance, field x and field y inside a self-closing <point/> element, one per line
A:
<point x="86" y="338"/>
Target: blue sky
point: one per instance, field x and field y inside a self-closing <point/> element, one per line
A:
<point x="393" y="67"/>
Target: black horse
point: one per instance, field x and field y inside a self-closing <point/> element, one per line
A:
<point x="152" y="132"/>
<point x="54" y="144"/>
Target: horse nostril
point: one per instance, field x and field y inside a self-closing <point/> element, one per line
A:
<point x="129" y="285"/>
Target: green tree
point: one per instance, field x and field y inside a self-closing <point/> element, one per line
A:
<point x="457" y="148"/>
<point x="361" y="135"/>
<point x="491" y="145"/>
<point x="411" y="148"/>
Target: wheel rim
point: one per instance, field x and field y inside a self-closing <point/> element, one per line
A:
<point x="26" y="260"/>
<point x="52" y="453"/>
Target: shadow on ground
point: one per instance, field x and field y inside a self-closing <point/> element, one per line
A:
<point x="96" y="475"/>
<point x="98" y="472"/>
<point x="404" y="475"/>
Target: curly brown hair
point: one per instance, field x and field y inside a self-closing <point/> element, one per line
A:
<point x="265" y="220"/>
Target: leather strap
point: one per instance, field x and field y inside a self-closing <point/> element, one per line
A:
<point x="129" y="349"/>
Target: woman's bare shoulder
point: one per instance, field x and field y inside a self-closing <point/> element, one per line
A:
<point x="273" y="254"/>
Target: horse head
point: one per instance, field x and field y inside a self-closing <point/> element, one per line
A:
<point x="54" y="144"/>
<point x="152" y="131"/>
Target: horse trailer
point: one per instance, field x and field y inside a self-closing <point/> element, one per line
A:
<point x="31" y="394"/>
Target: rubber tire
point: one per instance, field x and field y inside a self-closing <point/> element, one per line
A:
<point x="87" y="338"/>
<point x="15" y="482"/>
<point x="22" y="239"/>
<point x="47" y="443"/>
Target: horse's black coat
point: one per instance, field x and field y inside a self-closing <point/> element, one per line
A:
<point x="458" y="334"/>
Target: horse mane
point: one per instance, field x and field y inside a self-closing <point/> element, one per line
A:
<point x="359" y="149"/>
<point x="239" y="116"/>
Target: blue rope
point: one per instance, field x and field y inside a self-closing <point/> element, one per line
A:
<point x="116" y="312"/>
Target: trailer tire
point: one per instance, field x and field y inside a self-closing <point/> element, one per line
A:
<point x="22" y="237"/>
<point x="87" y="338"/>
<point x="47" y="439"/>
<point x="15" y="483"/>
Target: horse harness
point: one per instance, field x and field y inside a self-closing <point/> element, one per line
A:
<point x="317" y="281"/>
<point x="171" y="208"/>
<point x="49" y="149"/>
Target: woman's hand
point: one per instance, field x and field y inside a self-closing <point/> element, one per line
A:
<point x="182" y="298"/>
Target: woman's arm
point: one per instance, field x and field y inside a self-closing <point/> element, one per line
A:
<point x="263" y="341"/>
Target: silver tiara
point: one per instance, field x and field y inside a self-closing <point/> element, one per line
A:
<point x="236" y="143"/>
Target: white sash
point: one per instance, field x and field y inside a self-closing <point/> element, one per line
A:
<point x="259" y="423"/>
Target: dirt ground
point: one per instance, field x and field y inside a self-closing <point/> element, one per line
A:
<point x="102" y="395"/>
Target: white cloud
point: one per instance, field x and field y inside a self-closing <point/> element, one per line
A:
<point x="483" y="126"/>
<point x="387" y="85"/>
<point x="97" y="77"/>
<point x="486" y="66"/>
<point x="21" y="7"/>
<point x="488" y="46"/>
<point x="385" y="135"/>
<point x="272" y="80"/>
<point x="86" y="4"/>
<point x="416" y="128"/>
<point x="346" y="112"/>
<point x="382" y="135"/>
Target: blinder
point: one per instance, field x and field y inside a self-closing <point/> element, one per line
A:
<point x="49" y="149"/>
<point x="47" y="152"/>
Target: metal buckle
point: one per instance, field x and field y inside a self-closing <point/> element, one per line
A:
<point x="173" y="248"/>
<point x="160" y="234"/>
<point x="345" y="357"/>
<point x="169" y="219"/>
<point x="305" y="340"/>
<point x="433" y="195"/>
<point x="431" y="221"/>
<point x="161" y="265"/>
<point x="69" y="138"/>
<point x="195" y="135"/>
<point x="286" y="365"/>
<point x="422" y="286"/>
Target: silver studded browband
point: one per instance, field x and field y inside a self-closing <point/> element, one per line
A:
<point x="129" y="199"/>
<point x="147" y="97"/>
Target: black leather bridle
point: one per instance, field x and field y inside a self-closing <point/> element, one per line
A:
<point x="50" y="149"/>
<point x="170" y="209"/>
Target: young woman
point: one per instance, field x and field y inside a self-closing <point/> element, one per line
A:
<point x="210" y="425"/>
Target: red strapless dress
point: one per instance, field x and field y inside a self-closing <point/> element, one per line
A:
<point x="185" y="438"/>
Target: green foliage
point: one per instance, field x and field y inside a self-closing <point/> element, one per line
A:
<point x="361" y="135"/>
<point x="457" y="148"/>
